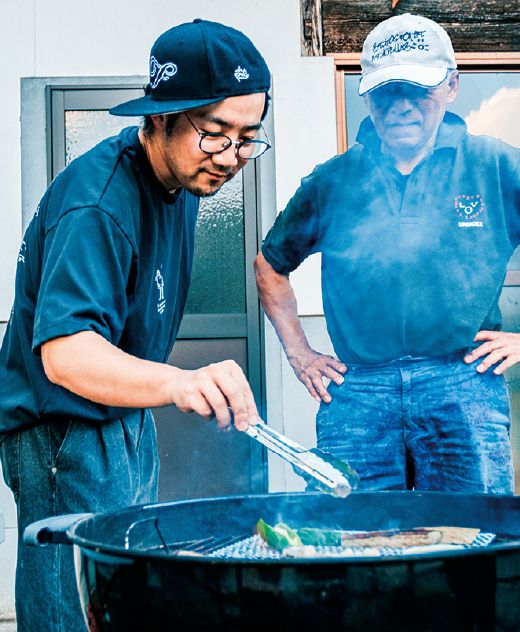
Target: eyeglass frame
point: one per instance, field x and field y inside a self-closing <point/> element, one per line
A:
<point x="237" y="143"/>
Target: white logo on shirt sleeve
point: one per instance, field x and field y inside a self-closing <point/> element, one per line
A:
<point x="21" y="253"/>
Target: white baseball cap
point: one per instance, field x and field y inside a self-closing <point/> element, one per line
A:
<point x="406" y="48"/>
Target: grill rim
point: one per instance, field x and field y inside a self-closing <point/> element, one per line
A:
<point x="90" y="547"/>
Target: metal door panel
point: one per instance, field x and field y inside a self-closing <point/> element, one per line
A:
<point x="197" y="460"/>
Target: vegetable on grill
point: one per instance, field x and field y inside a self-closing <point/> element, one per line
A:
<point x="282" y="536"/>
<point x="279" y="537"/>
<point x="320" y="537"/>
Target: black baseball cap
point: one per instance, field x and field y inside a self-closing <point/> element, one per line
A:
<point x="195" y="64"/>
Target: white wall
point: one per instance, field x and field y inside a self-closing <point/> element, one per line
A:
<point x="16" y="60"/>
<point x="113" y="37"/>
<point x="46" y="38"/>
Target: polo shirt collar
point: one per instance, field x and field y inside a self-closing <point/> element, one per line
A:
<point x="451" y="132"/>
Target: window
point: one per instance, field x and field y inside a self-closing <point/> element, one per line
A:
<point x="489" y="102"/>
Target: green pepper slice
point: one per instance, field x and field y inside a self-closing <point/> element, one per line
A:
<point x="279" y="537"/>
<point x="319" y="537"/>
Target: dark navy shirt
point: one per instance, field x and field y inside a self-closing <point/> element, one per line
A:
<point x="411" y="265"/>
<point x="109" y="250"/>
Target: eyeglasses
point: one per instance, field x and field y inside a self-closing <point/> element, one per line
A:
<point x="214" y="143"/>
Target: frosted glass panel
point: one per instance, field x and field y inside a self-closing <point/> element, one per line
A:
<point x="86" y="128"/>
<point x="218" y="280"/>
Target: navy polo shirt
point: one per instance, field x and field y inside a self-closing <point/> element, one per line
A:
<point x="109" y="250"/>
<point x="411" y="265"/>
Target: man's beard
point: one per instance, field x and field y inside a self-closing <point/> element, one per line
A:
<point x="203" y="192"/>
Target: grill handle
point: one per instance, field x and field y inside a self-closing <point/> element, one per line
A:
<point x="53" y="530"/>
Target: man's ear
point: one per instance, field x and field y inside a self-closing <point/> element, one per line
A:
<point x="453" y="86"/>
<point x="159" y="121"/>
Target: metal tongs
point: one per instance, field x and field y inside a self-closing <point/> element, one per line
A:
<point x="320" y="469"/>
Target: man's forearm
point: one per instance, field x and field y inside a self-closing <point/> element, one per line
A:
<point x="279" y="303"/>
<point x="88" y="365"/>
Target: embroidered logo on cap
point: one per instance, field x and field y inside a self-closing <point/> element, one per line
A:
<point x="241" y="73"/>
<point x="160" y="72"/>
<point x="400" y="43"/>
<point x="468" y="208"/>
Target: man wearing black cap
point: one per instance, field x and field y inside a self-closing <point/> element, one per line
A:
<point x="415" y="223"/>
<point x="101" y="285"/>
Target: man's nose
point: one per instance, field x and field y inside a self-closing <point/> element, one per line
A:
<point x="401" y="104"/>
<point x="226" y="158"/>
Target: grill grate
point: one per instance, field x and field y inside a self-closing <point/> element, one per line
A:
<point x="244" y="546"/>
<point x="208" y="546"/>
<point x="146" y="535"/>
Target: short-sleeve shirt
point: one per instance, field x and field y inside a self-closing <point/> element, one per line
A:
<point x="108" y="250"/>
<point x="411" y="265"/>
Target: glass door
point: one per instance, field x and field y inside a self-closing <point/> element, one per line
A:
<point x="222" y="317"/>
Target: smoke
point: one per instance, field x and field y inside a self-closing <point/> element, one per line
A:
<point x="497" y="116"/>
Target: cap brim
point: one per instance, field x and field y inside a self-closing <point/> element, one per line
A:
<point x="145" y="106"/>
<point x="420" y="75"/>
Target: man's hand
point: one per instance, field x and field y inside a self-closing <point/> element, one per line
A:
<point x="219" y="390"/>
<point x="500" y="345"/>
<point x="311" y="367"/>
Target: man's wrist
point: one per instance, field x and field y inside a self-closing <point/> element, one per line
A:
<point x="293" y="352"/>
<point x="172" y="385"/>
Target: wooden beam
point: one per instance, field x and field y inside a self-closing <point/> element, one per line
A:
<point x="473" y="25"/>
<point x="311" y="28"/>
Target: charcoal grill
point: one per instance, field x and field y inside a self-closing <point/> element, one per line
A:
<point x="196" y="565"/>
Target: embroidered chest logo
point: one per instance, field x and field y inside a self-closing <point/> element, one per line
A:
<point x="468" y="208"/>
<point x="160" y="72"/>
<point x="159" y="281"/>
<point x="241" y="73"/>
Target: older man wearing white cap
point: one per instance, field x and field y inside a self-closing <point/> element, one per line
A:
<point x="415" y="223"/>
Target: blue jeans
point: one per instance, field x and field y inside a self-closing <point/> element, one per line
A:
<point x="421" y="423"/>
<point x="71" y="467"/>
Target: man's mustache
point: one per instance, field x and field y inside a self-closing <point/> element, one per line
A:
<point x="218" y="172"/>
